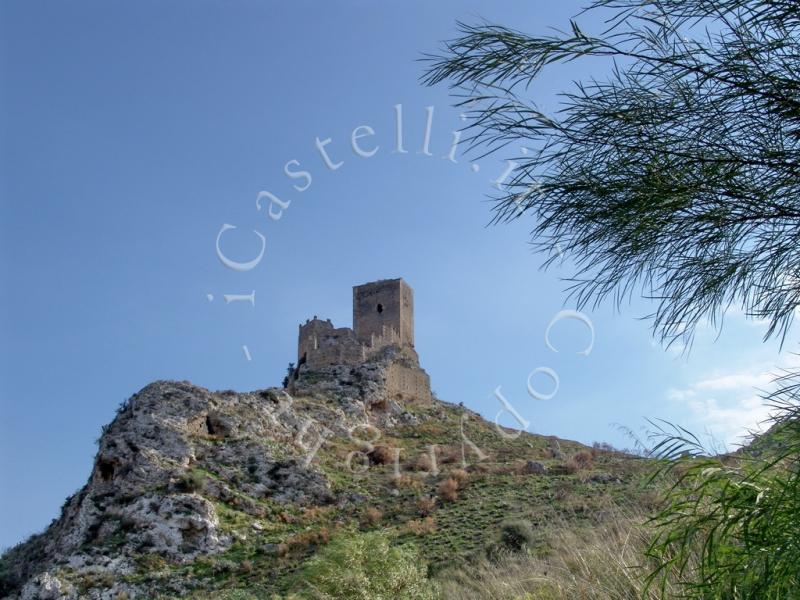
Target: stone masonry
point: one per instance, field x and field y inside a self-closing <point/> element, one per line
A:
<point x="383" y="317"/>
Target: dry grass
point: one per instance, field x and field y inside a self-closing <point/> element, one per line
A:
<point x="382" y="455"/>
<point x="426" y="504"/>
<point x="313" y="514"/>
<point x="449" y="455"/>
<point x="563" y="490"/>
<point x="461" y="476"/>
<point x="599" y="562"/>
<point x="307" y="539"/>
<point x="373" y="516"/>
<point x="406" y="481"/>
<point x="423" y="463"/>
<point x="420" y="527"/>
<point x="448" y="489"/>
<point x="583" y="458"/>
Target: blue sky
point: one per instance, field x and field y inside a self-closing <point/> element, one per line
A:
<point x="133" y="132"/>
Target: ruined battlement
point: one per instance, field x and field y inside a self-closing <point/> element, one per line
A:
<point x="320" y="344"/>
<point x="383" y="317"/>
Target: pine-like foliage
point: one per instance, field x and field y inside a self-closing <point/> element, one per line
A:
<point x="677" y="174"/>
<point x="730" y="528"/>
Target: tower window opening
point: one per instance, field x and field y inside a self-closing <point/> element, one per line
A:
<point x="380" y="308"/>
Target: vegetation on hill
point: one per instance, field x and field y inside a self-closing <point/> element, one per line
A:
<point x="418" y="512"/>
<point x="418" y="497"/>
<point x="674" y="176"/>
<point x="678" y="175"/>
<point x="730" y="525"/>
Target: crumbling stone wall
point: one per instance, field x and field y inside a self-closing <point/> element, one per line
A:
<point x="383" y="331"/>
<point x="320" y="345"/>
<point x="408" y="383"/>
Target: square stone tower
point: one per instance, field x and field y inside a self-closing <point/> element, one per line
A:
<point x="382" y="306"/>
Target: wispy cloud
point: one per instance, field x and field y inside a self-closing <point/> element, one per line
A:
<point x="727" y="406"/>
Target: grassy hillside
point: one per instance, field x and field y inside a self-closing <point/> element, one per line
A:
<point x="455" y="516"/>
<point x="198" y="494"/>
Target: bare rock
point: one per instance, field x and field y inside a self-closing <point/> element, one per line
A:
<point x="139" y="488"/>
<point x="534" y="467"/>
<point x="179" y="526"/>
<point x="47" y="586"/>
<point x="604" y="478"/>
<point x="174" y="451"/>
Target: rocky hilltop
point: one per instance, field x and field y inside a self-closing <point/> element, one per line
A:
<point x="195" y="490"/>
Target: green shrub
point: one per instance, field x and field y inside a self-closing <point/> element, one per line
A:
<point x="151" y="562"/>
<point x="517" y="535"/>
<point x="364" y="566"/>
<point x="192" y="481"/>
<point x="235" y="594"/>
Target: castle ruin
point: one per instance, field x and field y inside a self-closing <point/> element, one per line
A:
<point x="383" y="326"/>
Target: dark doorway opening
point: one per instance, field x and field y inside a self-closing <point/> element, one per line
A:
<point x="106" y="468"/>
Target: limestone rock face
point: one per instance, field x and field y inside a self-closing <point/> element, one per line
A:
<point x="365" y="388"/>
<point x="46" y="587"/>
<point x="178" y="525"/>
<point x="166" y="442"/>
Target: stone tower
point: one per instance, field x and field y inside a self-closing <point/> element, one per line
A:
<point x="383" y="331"/>
<point x="384" y="310"/>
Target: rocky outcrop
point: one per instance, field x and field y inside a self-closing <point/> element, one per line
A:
<point x="534" y="467"/>
<point x="359" y="390"/>
<point x="173" y="451"/>
<point x="176" y="452"/>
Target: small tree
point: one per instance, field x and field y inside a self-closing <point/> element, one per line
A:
<point x="677" y="174"/>
<point x="365" y="566"/>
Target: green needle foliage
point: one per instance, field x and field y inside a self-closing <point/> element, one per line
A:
<point x="677" y="175"/>
<point x="731" y="524"/>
